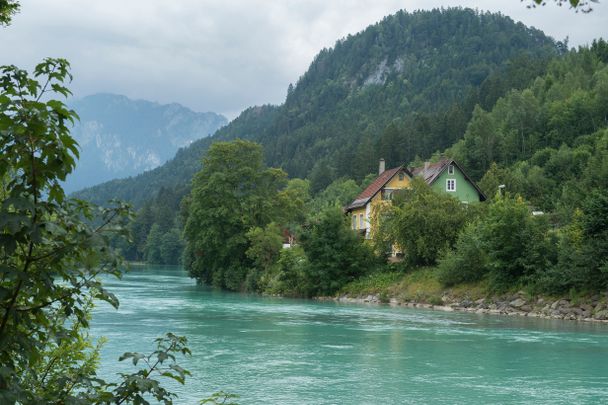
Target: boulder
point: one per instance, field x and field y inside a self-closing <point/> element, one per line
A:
<point x="466" y="303"/>
<point x="517" y="303"/>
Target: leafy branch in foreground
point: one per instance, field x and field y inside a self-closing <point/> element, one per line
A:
<point x="577" y="5"/>
<point x="51" y="257"/>
<point x="135" y="386"/>
<point x="220" y="398"/>
<point x="8" y="8"/>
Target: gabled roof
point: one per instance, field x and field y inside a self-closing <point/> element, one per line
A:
<point x="434" y="170"/>
<point x="375" y="187"/>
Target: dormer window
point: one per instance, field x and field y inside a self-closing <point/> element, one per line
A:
<point x="450" y="185"/>
<point x="451" y="169"/>
<point x="387" y="194"/>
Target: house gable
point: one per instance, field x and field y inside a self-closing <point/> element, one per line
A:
<point x="396" y="178"/>
<point x="446" y="176"/>
<point x="380" y="189"/>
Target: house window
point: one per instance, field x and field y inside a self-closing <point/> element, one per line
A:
<point x="401" y="176"/>
<point x="450" y="185"/>
<point x="451" y="169"/>
<point x="360" y="221"/>
<point x="354" y="222"/>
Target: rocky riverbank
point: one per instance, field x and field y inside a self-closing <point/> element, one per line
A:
<point x="591" y="309"/>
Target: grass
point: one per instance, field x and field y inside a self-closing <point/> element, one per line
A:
<point x="375" y="283"/>
<point x="420" y="285"/>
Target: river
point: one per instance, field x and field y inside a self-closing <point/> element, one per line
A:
<point x="284" y="351"/>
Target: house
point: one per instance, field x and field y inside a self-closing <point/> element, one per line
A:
<point x="444" y="176"/>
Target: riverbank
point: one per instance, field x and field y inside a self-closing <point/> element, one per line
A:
<point x="420" y="289"/>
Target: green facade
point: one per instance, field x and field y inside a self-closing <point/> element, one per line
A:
<point x="465" y="191"/>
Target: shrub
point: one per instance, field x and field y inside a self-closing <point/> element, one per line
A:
<point x="517" y="244"/>
<point x="468" y="261"/>
<point x="425" y="222"/>
<point x="288" y="276"/>
<point x="336" y="254"/>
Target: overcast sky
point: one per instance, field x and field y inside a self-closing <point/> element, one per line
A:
<point x="223" y="55"/>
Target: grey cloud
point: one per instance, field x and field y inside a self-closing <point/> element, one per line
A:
<point x="216" y="55"/>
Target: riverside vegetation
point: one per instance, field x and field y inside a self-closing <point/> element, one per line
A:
<point x="547" y="143"/>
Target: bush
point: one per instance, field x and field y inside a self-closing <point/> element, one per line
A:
<point x="265" y="245"/>
<point x="288" y="276"/>
<point x="336" y="255"/>
<point x="467" y="262"/>
<point x="517" y="244"/>
<point x="582" y="250"/>
<point x="425" y="222"/>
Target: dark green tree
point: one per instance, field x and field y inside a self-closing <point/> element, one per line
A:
<point x="424" y="222"/>
<point x="152" y="250"/>
<point x="171" y="247"/>
<point x="336" y="255"/>
<point x="233" y="193"/>
<point x="516" y="242"/>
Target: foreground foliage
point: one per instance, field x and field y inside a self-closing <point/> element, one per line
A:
<point x="51" y="257"/>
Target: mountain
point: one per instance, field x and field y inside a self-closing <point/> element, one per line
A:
<point x="402" y="88"/>
<point x="120" y="137"/>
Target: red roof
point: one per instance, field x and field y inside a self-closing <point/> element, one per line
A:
<point x="373" y="188"/>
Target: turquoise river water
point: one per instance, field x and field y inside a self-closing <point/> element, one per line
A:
<point x="283" y="351"/>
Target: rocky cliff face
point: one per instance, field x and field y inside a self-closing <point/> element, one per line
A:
<point x="120" y="137"/>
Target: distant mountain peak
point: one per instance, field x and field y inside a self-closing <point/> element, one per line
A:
<point x="120" y="137"/>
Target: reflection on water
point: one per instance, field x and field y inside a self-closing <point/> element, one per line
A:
<point x="281" y="351"/>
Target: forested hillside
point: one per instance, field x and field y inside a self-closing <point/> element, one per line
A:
<point x="402" y="88"/>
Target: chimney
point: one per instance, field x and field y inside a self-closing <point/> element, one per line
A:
<point x="381" y="167"/>
<point x="426" y="166"/>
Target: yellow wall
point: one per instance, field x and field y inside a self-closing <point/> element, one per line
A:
<point x="395" y="184"/>
<point x="398" y="184"/>
<point x="356" y="212"/>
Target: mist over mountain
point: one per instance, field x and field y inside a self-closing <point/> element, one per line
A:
<point x="402" y="88"/>
<point x="120" y="137"/>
